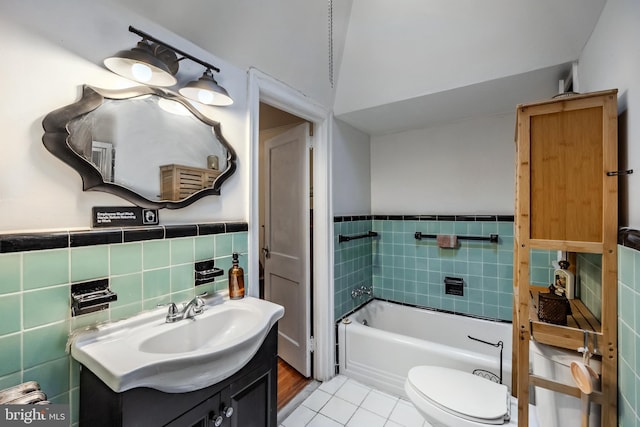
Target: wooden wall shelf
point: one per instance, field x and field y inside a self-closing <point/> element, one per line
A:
<point x="570" y="336"/>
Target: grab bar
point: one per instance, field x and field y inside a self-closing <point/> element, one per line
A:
<point x="493" y="238"/>
<point x="498" y="344"/>
<point x="342" y="238"/>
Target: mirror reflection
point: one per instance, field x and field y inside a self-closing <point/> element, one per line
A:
<point x="147" y="145"/>
<point x="133" y="142"/>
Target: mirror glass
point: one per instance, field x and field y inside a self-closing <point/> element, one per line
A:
<point x="148" y="145"/>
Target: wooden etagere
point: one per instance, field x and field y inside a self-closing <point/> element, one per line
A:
<point x="567" y="201"/>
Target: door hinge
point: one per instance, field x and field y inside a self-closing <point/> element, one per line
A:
<point x="312" y="344"/>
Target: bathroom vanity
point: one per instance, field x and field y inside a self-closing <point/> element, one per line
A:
<point x="246" y="399"/>
<point x="212" y="363"/>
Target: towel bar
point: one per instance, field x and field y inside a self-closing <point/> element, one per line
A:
<point x="342" y="238"/>
<point x="493" y="238"/>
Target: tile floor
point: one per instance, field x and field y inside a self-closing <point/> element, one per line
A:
<point x="344" y="402"/>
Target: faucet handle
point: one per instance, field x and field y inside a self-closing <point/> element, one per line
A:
<point x="173" y="313"/>
<point x="199" y="304"/>
<point x="173" y="309"/>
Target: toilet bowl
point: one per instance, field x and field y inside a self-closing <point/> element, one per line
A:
<point x="452" y="398"/>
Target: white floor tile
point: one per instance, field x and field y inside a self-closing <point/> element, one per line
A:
<point x="364" y="418"/>
<point x="390" y="423"/>
<point x="352" y="391"/>
<point x="380" y="403"/>
<point x="300" y="417"/>
<point x="338" y="410"/>
<point x="406" y="415"/>
<point x="334" y="384"/>
<point x="317" y="400"/>
<point x="322" y="421"/>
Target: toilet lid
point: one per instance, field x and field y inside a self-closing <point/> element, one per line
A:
<point x="466" y="395"/>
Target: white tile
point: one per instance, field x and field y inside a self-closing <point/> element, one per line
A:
<point x="338" y="410"/>
<point x="392" y="424"/>
<point x="300" y="417"/>
<point x="364" y="418"/>
<point x="379" y="403"/>
<point x="406" y="414"/>
<point x="322" y="421"/>
<point x="352" y="391"/>
<point x="317" y="400"/>
<point x="333" y="384"/>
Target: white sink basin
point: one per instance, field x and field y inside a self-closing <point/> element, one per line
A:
<point x="178" y="357"/>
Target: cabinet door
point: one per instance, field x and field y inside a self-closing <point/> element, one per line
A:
<point x="565" y="149"/>
<point x="252" y="400"/>
<point x="203" y="415"/>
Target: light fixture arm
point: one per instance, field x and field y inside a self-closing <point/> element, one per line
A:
<point x="186" y="55"/>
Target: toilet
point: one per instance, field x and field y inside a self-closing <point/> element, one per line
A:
<point x="453" y="398"/>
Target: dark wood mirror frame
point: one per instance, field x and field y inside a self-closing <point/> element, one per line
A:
<point x="56" y="140"/>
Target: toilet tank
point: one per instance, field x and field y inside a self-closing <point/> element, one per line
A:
<point x="556" y="409"/>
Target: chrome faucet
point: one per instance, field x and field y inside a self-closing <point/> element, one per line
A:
<point x="190" y="310"/>
<point x="193" y="308"/>
<point x="362" y="290"/>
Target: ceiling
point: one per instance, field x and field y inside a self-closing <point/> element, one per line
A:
<point x="396" y="65"/>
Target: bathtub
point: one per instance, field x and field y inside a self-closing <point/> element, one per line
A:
<point x="381" y="341"/>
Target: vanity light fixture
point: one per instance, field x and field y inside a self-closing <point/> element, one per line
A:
<point x="206" y="90"/>
<point x="155" y="63"/>
<point x="148" y="63"/>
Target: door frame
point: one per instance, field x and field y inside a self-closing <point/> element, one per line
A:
<point x="265" y="88"/>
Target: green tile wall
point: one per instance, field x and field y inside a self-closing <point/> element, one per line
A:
<point x="35" y="299"/>
<point x="412" y="271"/>
<point x="352" y="265"/>
<point x="628" y="337"/>
<point x="589" y="282"/>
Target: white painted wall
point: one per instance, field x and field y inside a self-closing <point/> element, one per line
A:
<point x="351" y="164"/>
<point x="611" y="59"/>
<point x="411" y="48"/>
<point x="50" y="50"/>
<point x="463" y="167"/>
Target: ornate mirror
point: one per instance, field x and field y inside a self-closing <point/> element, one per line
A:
<point x="147" y="145"/>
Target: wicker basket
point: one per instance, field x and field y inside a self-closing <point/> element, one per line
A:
<point x="553" y="308"/>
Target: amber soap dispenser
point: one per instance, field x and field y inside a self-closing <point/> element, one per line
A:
<point x="236" y="279"/>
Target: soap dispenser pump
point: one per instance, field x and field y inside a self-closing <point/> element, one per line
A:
<point x="236" y="279"/>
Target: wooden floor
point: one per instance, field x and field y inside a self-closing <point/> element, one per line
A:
<point x="290" y="383"/>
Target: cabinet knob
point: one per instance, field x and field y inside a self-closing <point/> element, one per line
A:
<point x="227" y="411"/>
<point x="216" y="419"/>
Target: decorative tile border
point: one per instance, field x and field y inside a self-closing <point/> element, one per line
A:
<point x="629" y="238"/>
<point x="69" y="239"/>
<point x="474" y="218"/>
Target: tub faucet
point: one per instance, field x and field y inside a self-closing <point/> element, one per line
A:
<point x="362" y="290"/>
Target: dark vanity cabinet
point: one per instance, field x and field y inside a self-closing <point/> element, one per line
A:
<point x="246" y="399"/>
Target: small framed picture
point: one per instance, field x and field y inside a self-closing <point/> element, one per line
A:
<point x="212" y="162"/>
<point x="103" y="158"/>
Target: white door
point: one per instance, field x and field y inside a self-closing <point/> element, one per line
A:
<point x="287" y="245"/>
